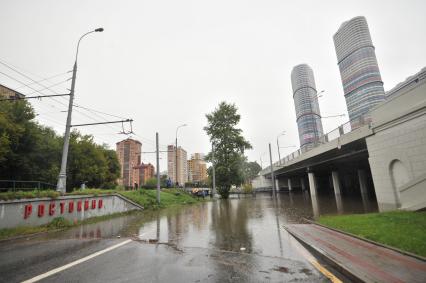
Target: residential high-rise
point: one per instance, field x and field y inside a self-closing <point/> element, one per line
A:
<point x="146" y="171"/>
<point x="129" y="156"/>
<point x="181" y="176"/>
<point x="359" y="71"/>
<point x="197" y="168"/>
<point x="305" y="97"/>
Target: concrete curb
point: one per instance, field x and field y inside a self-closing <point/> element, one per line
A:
<point x="326" y="258"/>
<point x="419" y="257"/>
<point x="128" y="200"/>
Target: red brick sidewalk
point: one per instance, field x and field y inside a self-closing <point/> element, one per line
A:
<point x="366" y="261"/>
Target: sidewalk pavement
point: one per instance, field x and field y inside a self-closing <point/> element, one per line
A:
<point x="363" y="260"/>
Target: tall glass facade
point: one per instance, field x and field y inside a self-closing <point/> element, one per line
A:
<point x="359" y="71"/>
<point x="308" y="115"/>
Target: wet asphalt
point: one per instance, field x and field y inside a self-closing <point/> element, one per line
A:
<point x="238" y="240"/>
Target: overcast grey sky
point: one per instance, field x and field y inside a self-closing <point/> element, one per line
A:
<point x="164" y="63"/>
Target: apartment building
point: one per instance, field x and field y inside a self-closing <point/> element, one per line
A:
<point x="129" y="156"/>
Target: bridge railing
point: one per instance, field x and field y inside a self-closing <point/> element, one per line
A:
<point x="332" y="135"/>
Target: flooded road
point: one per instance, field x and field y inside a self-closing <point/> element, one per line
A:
<point x="235" y="240"/>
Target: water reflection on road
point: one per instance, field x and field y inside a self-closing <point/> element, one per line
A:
<point x="240" y="222"/>
<point x="248" y="224"/>
<point x="238" y="239"/>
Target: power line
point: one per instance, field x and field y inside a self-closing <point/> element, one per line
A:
<point x="27" y="77"/>
<point x="31" y="97"/>
<point x="48" y="88"/>
<point x="56" y="84"/>
<point x="93" y="111"/>
<point x="97" y="111"/>
<point x="46" y="79"/>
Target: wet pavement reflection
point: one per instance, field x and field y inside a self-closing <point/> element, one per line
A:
<point x="243" y="224"/>
<point x="240" y="239"/>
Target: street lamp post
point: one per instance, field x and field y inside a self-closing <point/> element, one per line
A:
<point x="176" y="154"/>
<point x="214" y="173"/>
<point x="278" y="146"/>
<point x="62" y="179"/>
<point x="318" y="95"/>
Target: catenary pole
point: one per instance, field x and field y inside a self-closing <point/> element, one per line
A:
<point x="158" y="168"/>
<point x="62" y="179"/>
<point x="213" y="172"/>
<point x="272" y="170"/>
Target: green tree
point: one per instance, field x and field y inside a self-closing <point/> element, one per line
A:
<point x="163" y="180"/>
<point x="18" y="138"/>
<point x="229" y="146"/>
<point x="151" y="182"/>
<point x="113" y="168"/>
<point x="29" y="151"/>
<point x="91" y="163"/>
<point x="251" y="169"/>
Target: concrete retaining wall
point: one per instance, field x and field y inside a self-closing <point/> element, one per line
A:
<point x="397" y="151"/>
<point x="35" y="212"/>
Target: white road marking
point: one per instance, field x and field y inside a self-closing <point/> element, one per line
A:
<point x="69" y="265"/>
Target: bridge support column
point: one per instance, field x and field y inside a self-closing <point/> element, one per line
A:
<point x="362" y="177"/>
<point x="336" y="183"/>
<point x="289" y="184"/>
<point x="277" y="184"/>
<point x="337" y="191"/>
<point x="312" y="184"/>
<point x="302" y="183"/>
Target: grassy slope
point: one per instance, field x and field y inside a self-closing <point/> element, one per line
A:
<point x="146" y="198"/>
<point x="401" y="229"/>
<point x="28" y="194"/>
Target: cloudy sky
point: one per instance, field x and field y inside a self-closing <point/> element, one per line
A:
<point x="166" y="62"/>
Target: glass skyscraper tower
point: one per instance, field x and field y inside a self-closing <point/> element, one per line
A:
<point x="305" y="97"/>
<point x="359" y="71"/>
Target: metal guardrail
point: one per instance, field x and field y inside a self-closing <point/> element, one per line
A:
<point x="15" y="185"/>
<point x="332" y="135"/>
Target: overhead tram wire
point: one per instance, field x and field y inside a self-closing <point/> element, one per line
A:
<point x="50" y="86"/>
<point x="46" y="79"/>
<point x="54" y="99"/>
<point x="27" y="77"/>
<point x="36" y="90"/>
<point x="39" y="91"/>
<point x="97" y="111"/>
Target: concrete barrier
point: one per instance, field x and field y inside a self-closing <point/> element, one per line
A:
<point x="39" y="211"/>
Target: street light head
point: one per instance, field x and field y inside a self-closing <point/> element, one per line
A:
<point x="99" y="29"/>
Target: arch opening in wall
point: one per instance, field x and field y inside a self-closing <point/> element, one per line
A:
<point x="399" y="176"/>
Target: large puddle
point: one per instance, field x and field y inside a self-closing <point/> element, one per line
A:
<point x="240" y="224"/>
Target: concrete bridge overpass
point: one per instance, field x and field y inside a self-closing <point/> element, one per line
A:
<point x="383" y="159"/>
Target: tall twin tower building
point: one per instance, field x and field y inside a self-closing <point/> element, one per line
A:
<point x="361" y="80"/>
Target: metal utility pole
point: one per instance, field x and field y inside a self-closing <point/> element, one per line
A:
<point x="316" y="96"/>
<point x="62" y="179"/>
<point x="272" y="170"/>
<point x="213" y="173"/>
<point x="158" y="168"/>
<point x="279" y="155"/>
